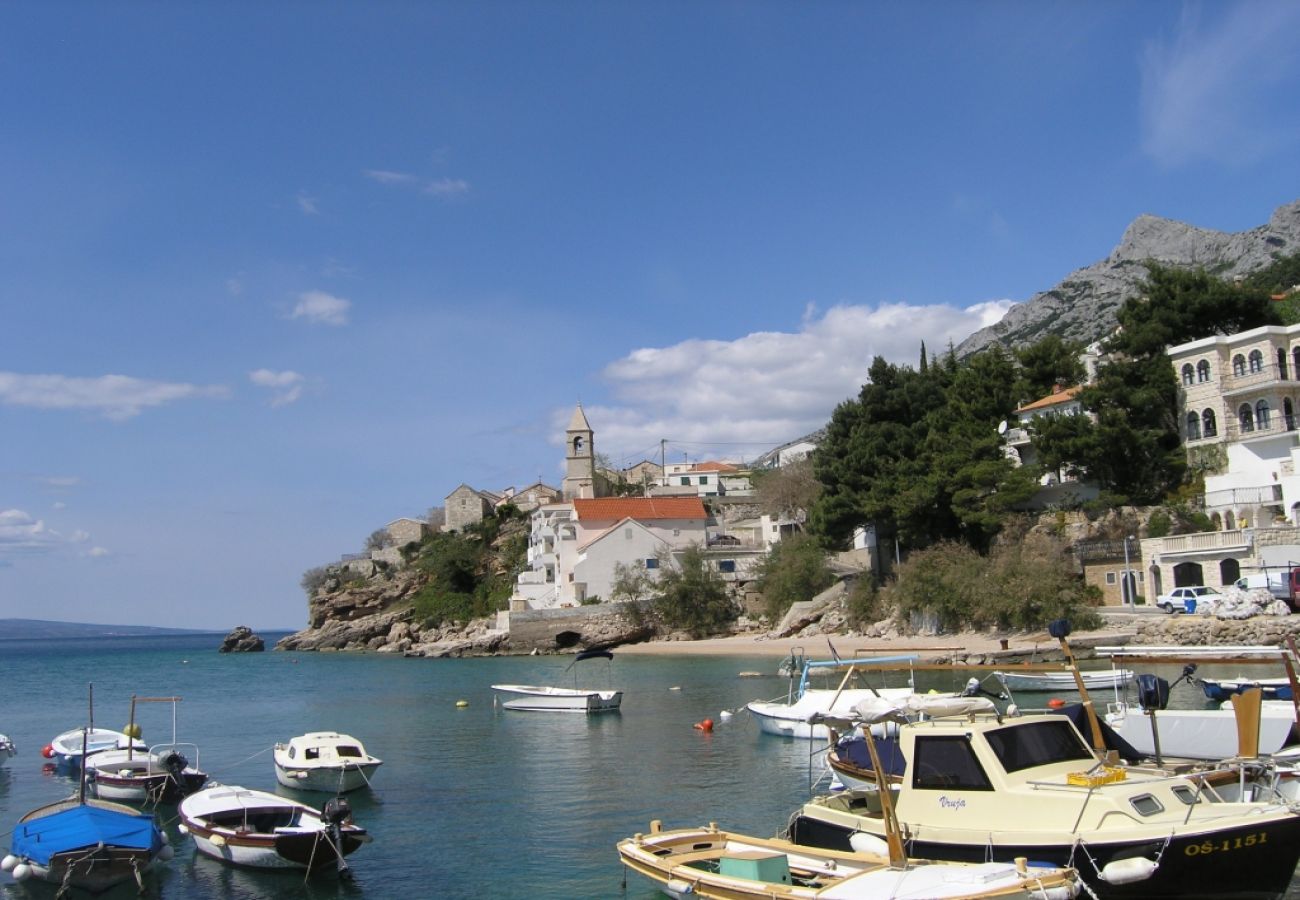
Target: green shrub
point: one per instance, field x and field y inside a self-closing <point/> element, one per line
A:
<point x="793" y="571"/>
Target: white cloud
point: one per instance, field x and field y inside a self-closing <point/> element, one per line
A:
<point x="96" y="552"/>
<point x="307" y="204"/>
<point x="21" y="535"/>
<point x="286" y="386"/>
<point x="437" y="187"/>
<point x="321" y="308"/>
<point x="1222" y="89"/>
<point x="745" y="396"/>
<point x="116" y="397"/>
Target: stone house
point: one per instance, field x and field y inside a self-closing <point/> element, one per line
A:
<point x="530" y="498"/>
<point x="466" y="506"/>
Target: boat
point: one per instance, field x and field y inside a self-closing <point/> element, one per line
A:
<point x="798" y="715"/>
<point x="163" y="773"/>
<point x="84" y="843"/>
<point x="7" y="749"/>
<point x="1220" y="689"/>
<point x="253" y="828"/>
<point x="543" y="698"/>
<point x="324" y="761"/>
<point x="1097" y="679"/>
<point x="989" y="787"/>
<point x="708" y="862"/>
<point x="66" y="750"/>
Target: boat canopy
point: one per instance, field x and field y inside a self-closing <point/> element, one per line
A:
<point x="82" y="826"/>
<point x="593" y="654"/>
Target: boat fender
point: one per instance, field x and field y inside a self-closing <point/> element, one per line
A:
<point x="461" y="704"/>
<point x="1055" y="703"/>
<point x="705" y="725"/>
<point x="8" y="863"/>
<point x="218" y="840"/>
<point x="724" y="715"/>
<point x="1060" y="892"/>
<point x="679" y="888"/>
<point x="48" y="751"/>
<point x="182" y="828"/>
<point x="22" y="872"/>
<point x="1127" y="871"/>
<point x="166" y="839"/>
<point x="166" y="852"/>
<point x="862" y="842"/>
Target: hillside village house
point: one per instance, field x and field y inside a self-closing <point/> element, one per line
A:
<point x="1239" y="395"/>
<point x="1057" y="487"/>
<point x="466" y="505"/>
<point x="704" y="479"/>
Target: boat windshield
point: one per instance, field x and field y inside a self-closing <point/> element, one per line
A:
<point x="1026" y="745"/>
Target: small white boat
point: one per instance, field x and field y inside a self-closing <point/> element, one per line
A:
<point x="265" y="831"/>
<point x="7" y="749"/>
<point x="88" y="844"/>
<point x="797" y="715"/>
<point x="161" y="774"/>
<point x="1098" y="679"/>
<point x="324" y="761"/>
<point x="67" y="749"/>
<point x="706" y="862"/>
<point x="1197" y="733"/>
<point x="544" y="698"/>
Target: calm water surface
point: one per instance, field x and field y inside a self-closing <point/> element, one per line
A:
<point x="472" y="802"/>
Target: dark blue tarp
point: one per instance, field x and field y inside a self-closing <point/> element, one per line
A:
<point x="854" y="750"/>
<point x="83" y="826"/>
<point x="594" y="654"/>
<point x="1109" y="737"/>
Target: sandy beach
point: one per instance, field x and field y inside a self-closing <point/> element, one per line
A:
<point x="946" y="646"/>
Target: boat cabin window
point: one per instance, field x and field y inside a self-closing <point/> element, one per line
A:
<point x="1038" y="744"/>
<point x="944" y="763"/>
<point x="1186" y="794"/>
<point x="348" y="750"/>
<point x="311" y="753"/>
<point x="1146" y="805"/>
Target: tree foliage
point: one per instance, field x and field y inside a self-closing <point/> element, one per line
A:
<point x="1045" y="364"/>
<point x="691" y="597"/>
<point x="793" y="571"/>
<point x="788" y="491"/>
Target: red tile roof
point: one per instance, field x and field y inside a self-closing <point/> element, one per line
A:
<point x="1053" y="399"/>
<point x="640" y="508"/>
<point x="712" y="466"/>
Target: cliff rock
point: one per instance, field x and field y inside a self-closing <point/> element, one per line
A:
<point x="242" y="640"/>
<point x="1083" y="306"/>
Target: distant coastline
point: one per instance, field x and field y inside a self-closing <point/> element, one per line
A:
<point x="27" y="629"/>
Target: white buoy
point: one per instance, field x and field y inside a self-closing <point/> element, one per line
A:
<point x="675" y="687"/>
<point x="218" y="840"/>
<point x="861" y="842"/>
<point x="182" y="828"/>
<point x="8" y="862"/>
<point x="1127" y="871"/>
<point x="22" y="871"/>
<point x="724" y="715"/>
<point x="166" y="852"/>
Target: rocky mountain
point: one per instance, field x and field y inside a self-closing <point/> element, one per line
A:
<point x="1083" y="306"/>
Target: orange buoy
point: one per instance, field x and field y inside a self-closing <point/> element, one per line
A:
<point x="47" y="751"/>
<point x="1055" y="703"/>
<point x="705" y="725"/>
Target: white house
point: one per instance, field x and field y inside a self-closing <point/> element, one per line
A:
<point x="1057" y="486"/>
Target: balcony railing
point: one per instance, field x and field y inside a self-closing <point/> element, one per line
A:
<point x="1230" y="497"/>
<point x="1276" y="424"/>
<point x="1205" y="542"/>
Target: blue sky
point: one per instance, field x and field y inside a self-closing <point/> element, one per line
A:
<point x="273" y="275"/>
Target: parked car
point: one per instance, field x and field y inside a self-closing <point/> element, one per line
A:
<point x="1184" y="599"/>
<point x="1284" y="584"/>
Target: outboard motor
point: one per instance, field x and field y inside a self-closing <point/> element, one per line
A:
<point x="1153" y="692"/>
<point x="175" y="763"/>
<point x="336" y="813"/>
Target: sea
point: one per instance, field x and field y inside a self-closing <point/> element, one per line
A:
<point x="472" y="800"/>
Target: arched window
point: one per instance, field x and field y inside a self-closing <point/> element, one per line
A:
<point x="1239" y="365"/>
<point x="1281" y="370"/>
<point x="1295" y="361"/>
<point x="577" y="446"/>
<point x="1193" y="427"/>
<point x="1203" y="369"/>
<point x="1288" y="413"/>
<point x="1246" y="418"/>
<point x="1256" y="361"/>
<point x="1208" y="428"/>
<point x="1261" y="415"/>
<point x="1189" y="374"/>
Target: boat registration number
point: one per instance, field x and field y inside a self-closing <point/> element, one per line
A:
<point x="1238" y="843"/>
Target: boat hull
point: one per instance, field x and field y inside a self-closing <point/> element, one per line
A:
<point x="1063" y="681"/>
<point x="538" y="698"/>
<point x="1197" y="733"/>
<point x="92" y="846"/>
<point x="1243" y="863"/>
<point x="313" y="851"/>
<point x="329" y="779"/>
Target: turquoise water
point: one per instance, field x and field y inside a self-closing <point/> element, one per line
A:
<point x="472" y="802"/>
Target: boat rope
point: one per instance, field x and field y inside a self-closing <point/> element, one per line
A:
<point x="246" y="760"/>
<point x="138" y="873"/>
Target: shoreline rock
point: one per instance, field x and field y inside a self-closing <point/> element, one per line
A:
<point x="242" y="640"/>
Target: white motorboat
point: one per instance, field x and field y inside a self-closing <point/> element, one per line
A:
<point x="7" y="749"/>
<point x="67" y="748"/>
<point x="324" y="761"/>
<point x="1096" y="679"/>
<point x="161" y="774"/>
<point x="253" y="828"/>
<point x="1209" y="734"/>
<point x="544" y="698"/>
<point x="990" y="788"/>
<point x="794" y="716"/>
<point x="707" y="862"/>
<point x="88" y="844"/>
